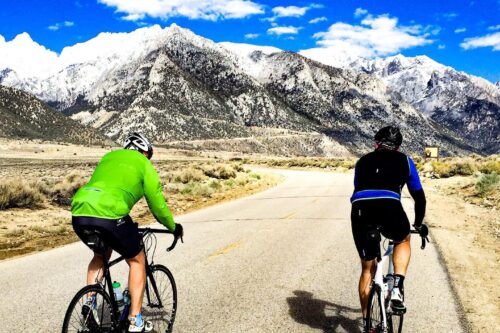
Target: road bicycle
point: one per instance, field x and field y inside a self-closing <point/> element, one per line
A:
<point x="381" y="318"/>
<point x="104" y="315"/>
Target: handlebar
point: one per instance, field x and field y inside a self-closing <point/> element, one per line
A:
<point x="145" y="231"/>
<point x="424" y="239"/>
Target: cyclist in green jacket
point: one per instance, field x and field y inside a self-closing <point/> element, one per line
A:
<point x="122" y="178"/>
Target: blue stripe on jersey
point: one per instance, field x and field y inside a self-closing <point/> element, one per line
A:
<point x="375" y="194"/>
<point x="414" y="180"/>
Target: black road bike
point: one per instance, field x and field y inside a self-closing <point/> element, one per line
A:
<point x="104" y="314"/>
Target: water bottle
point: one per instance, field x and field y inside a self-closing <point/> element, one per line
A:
<point x="126" y="302"/>
<point x="126" y="296"/>
<point x="118" y="295"/>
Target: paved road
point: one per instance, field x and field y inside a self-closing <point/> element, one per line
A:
<point x="279" y="261"/>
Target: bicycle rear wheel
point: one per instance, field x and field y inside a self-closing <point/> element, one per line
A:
<point x="396" y="323"/>
<point x="160" y="299"/>
<point x="374" y="319"/>
<point x="98" y="317"/>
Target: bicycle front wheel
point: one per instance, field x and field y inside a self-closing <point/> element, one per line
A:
<point x="375" y="319"/>
<point x="396" y="323"/>
<point x="160" y="299"/>
<point x="94" y="316"/>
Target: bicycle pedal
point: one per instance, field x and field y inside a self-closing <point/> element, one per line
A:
<point x="397" y="312"/>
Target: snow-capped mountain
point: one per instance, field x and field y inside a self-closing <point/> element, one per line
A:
<point x="468" y="105"/>
<point x="174" y="85"/>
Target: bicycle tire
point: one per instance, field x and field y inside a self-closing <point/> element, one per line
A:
<point x="374" y="319"/>
<point x="162" y="318"/>
<point x="77" y="319"/>
<point x="396" y="323"/>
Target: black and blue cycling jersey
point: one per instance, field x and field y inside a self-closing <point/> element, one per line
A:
<point x="383" y="173"/>
<point x="378" y="181"/>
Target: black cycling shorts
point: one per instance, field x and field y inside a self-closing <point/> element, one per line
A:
<point x="366" y="215"/>
<point x="121" y="235"/>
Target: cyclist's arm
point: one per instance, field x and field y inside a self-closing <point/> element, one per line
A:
<point x="417" y="193"/>
<point x="156" y="200"/>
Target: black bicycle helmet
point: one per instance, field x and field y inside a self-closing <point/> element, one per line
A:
<point x="389" y="137"/>
<point x="136" y="141"/>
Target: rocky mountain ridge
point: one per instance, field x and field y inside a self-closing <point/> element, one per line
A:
<point x="181" y="86"/>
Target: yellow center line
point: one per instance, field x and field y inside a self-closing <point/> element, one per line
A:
<point x="289" y="216"/>
<point x="225" y="250"/>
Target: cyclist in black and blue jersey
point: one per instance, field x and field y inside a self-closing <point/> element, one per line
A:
<point x="376" y="202"/>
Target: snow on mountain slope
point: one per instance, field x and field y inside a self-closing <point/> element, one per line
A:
<point x="463" y="103"/>
<point x="175" y="85"/>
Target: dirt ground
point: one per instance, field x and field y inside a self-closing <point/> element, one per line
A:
<point x="467" y="236"/>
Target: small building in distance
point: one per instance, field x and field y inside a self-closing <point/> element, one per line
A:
<point x="431" y="152"/>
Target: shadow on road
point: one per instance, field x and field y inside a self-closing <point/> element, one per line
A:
<point x="324" y="315"/>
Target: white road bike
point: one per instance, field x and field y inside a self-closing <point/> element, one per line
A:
<point x="381" y="318"/>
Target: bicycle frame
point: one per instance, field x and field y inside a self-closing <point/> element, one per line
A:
<point x="150" y="279"/>
<point x="378" y="281"/>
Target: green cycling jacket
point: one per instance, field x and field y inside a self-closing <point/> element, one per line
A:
<point x="121" y="178"/>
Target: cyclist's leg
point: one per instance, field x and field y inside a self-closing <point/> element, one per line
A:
<point x="96" y="265"/>
<point x="84" y="228"/>
<point x="367" y="275"/>
<point x="136" y="282"/>
<point x="401" y="256"/>
<point x="361" y="215"/>
<point x="124" y="238"/>
<point x="397" y="227"/>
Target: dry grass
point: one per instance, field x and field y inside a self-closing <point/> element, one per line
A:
<point x="477" y="177"/>
<point x="16" y="193"/>
<point x="459" y="166"/>
<point x="35" y="196"/>
<point x="306" y="163"/>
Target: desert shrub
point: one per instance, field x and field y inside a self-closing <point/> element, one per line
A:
<point x="442" y="169"/>
<point x="65" y="190"/>
<point x="490" y="166"/>
<point x="16" y="193"/>
<point x="204" y="190"/>
<point x="188" y="189"/>
<point x="238" y="167"/>
<point x="255" y="175"/>
<point x="219" y="171"/>
<point x="215" y="184"/>
<point x="189" y="175"/>
<point x="486" y="183"/>
<point x="446" y="169"/>
<point x="465" y="168"/>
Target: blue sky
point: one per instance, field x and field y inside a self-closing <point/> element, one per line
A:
<point x="464" y="34"/>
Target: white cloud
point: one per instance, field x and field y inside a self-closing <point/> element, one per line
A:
<point x="318" y="19"/>
<point x="291" y="11"/>
<point x="374" y="37"/>
<point x="360" y="12"/>
<point x="441" y="47"/>
<point x="60" y="25"/>
<point x="450" y="16"/>
<point x="460" y="30"/>
<point x="251" y="36"/>
<point x="289" y="30"/>
<point x="193" y="9"/>
<point x="491" y="40"/>
<point x="494" y="27"/>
